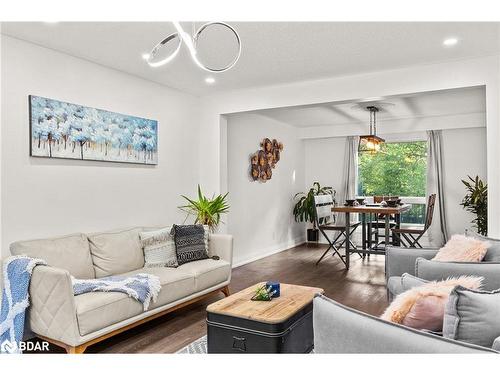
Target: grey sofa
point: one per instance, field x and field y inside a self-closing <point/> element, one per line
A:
<point x="75" y="322"/>
<point x="340" y="329"/>
<point x="416" y="262"/>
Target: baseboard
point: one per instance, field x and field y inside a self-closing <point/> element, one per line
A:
<point x="270" y="251"/>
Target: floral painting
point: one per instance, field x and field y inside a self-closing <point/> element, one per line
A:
<point x="71" y="131"/>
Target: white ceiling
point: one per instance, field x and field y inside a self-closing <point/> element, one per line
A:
<point x="470" y="100"/>
<point x="272" y="53"/>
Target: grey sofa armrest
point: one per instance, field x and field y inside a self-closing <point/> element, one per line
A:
<point x="432" y="270"/>
<point x="340" y="329"/>
<point x="496" y="344"/>
<point x="222" y="246"/>
<point x="400" y="260"/>
<point x="52" y="311"/>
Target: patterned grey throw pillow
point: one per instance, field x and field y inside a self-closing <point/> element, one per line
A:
<point x="159" y="248"/>
<point x="189" y="243"/>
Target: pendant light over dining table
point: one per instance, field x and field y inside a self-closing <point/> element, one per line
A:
<point x="371" y="142"/>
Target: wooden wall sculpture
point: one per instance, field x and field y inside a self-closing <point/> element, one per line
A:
<point x="264" y="160"/>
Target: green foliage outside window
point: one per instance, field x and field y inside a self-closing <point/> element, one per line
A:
<point x="400" y="169"/>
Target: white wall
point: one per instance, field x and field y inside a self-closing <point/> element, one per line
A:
<point x="324" y="162"/>
<point x="464" y="153"/>
<point x="44" y="197"/>
<point x="432" y="77"/>
<point x="260" y="217"/>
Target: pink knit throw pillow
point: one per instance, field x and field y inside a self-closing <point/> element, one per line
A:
<point x="422" y="307"/>
<point x="462" y="249"/>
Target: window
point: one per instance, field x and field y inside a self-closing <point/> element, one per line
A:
<point x="400" y="169"/>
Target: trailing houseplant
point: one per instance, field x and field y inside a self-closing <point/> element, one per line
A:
<point x="476" y="202"/>
<point x="303" y="211"/>
<point x="207" y="211"/>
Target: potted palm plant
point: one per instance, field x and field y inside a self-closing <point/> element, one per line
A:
<point x="207" y="211"/>
<point x="303" y="211"/>
<point x="476" y="202"/>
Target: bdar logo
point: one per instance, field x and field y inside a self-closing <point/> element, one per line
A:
<point x="8" y="347"/>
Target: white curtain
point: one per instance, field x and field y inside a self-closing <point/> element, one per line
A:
<point x="350" y="173"/>
<point x="438" y="231"/>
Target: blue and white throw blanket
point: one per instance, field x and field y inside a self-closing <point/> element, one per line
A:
<point x="142" y="287"/>
<point x="15" y="299"/>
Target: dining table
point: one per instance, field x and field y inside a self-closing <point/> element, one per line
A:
<point x="379" y="210"/>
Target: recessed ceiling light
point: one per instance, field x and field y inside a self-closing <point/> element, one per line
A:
<point x="210" y="80"/>
<point x="450" y="42"/>
<point x="145" y="56"/>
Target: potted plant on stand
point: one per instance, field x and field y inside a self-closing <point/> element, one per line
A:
<point x="303" y="210"/>
<point x="207" y="211"/>
<point x="476" y="202"/>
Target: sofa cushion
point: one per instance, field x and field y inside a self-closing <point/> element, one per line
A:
<point x="100" y="309"/>
<point x="472" y="316"/>
<point x="207" y="272"/>
<point x="69" y="252"/>
<point x="399" y="284"/>
<point x="116" y="252"/>
<point x="409" y="281"/>
<point x="430" y="270"/>
<point x="394" y="286"/>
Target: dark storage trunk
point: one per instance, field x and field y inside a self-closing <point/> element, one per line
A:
<point x="227" y="334"/>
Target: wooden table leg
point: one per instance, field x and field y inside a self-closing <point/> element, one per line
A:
<point x="387" y="229"/>
<point x="395" y="239"/>
<point x="347" y="238"/>
<point x="363" y="231"/>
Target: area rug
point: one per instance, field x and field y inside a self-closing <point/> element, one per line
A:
<point x="196" y="347"/>
<point x="200" y="347"/>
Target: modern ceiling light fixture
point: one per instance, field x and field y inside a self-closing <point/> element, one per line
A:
<point x="191" y="42"/>
<point x="371" y="142"/>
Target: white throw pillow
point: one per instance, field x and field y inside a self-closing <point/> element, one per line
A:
<point x="159" y="248"/>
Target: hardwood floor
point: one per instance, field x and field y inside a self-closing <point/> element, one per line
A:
<point x="362" y="287"/>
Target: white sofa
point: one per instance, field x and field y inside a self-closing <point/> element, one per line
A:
<point x="75" y="322"/>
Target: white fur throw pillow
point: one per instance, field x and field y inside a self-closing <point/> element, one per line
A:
<point x="422" y="307"/>
<point x="462" y="249"/>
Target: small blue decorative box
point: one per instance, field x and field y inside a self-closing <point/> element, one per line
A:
<point x="275" y="286"/>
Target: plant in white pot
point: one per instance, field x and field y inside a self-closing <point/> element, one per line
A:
<point x="303" y="211"/>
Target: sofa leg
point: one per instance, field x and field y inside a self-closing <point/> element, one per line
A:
<point x="76" y="349"/>
<point x="226" y="291"/>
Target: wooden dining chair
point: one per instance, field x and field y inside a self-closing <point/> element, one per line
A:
<point x="409" y="236"/>
<point x="377" y="224"/>
<point x="326" y="221"/>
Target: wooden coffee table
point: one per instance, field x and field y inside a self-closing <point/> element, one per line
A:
<point x="237" y="324"/>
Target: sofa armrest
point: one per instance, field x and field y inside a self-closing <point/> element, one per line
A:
<point x="400" y="260"/>
<point x="433" y="270"/>
<point x="496" y="344"/>
<point x="340" y="329"/>
<point x="52" y="311"/>
<point x="222" y="246"/>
